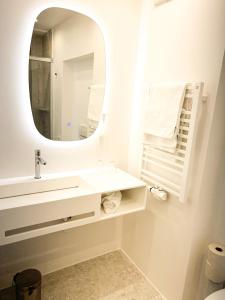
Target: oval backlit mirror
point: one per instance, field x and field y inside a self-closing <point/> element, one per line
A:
<point x="66" y="74"/>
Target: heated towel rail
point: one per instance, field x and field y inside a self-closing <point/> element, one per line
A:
<point x="171" y="171"/>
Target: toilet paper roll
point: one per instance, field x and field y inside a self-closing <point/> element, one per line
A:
<point x="215" y="263"/>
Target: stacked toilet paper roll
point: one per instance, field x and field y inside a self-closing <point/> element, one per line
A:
<point x="215" y="263"/>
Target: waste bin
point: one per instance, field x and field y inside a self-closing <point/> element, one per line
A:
<point x="28" y="285"/>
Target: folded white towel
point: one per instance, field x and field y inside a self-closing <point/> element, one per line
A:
<point x="111" y="202"/>
<point x="162" y="115"/>
<point x="95" y="102"/>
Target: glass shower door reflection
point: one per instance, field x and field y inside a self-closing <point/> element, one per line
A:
<point x="40" y="95"/>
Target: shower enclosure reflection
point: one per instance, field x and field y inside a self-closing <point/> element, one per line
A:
<point x="66" y="74"/>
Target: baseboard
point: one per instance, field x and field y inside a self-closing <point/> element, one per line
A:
<point x="162" y="297"/>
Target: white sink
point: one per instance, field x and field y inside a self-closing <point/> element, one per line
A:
<point x="28" y="185"/>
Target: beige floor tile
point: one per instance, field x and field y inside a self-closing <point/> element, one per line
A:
<point x="108" y="277"/>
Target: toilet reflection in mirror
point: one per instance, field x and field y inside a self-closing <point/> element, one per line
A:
<point x="66" y="74"/>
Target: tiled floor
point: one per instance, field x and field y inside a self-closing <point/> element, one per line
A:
<point x="108" y="277"/>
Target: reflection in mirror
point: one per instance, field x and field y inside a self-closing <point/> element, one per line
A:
<point x="66" y="74"/>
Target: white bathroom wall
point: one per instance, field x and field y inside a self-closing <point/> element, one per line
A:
<point x="181" y="40"/>
<point x="76" y="37"/>
<point x="209" y="216"/>
<point x="19" y="137"/>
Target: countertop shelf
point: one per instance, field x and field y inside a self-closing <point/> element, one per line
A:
<point x="94" y="181"/>
<point x="127" y="206"/>
<point x="40" y="213"/>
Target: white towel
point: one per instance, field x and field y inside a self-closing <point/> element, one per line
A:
<point x="95" y="102"/>
<point x="111" y="202"/>
<point x="162" y="115"/>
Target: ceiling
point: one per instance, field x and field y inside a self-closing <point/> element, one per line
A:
<point x="51" y="17"/>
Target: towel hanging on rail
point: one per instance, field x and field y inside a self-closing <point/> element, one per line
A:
<point x="171" y="171"/>
<point x="162" y="115"/>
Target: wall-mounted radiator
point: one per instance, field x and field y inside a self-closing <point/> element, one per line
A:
<point x="170" y="171"/>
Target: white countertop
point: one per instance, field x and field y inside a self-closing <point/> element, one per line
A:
<point x="93" y="181"/>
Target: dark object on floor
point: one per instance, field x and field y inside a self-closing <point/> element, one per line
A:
<point x="8" y="294"/>
<point x="28" y="285"/>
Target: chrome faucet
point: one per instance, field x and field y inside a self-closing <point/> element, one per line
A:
<point x="38" y="161"/>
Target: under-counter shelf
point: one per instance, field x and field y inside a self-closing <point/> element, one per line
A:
<point x="133" y="200"/>
<point x="32" y="215"/>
